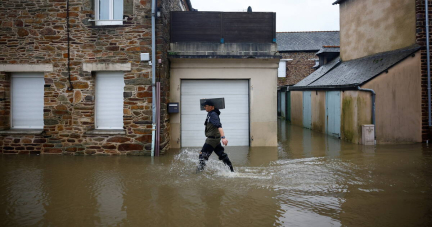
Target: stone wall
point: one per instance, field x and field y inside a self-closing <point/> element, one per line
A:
<point x="299" y="68"/>
<point x="421" y="40"/>
<point x="35" y="32"/>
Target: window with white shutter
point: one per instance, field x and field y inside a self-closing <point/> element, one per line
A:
<point x="109" y="12"/>
<point x="282" y="69"/>
<point x="27" y="100"/>
<point x="109" y="100"/>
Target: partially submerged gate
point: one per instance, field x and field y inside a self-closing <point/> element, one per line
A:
<point x="333" y="113"/>
<point x="307" y="109"/>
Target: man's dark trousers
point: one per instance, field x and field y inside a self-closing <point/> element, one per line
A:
<point x="207" y="150"/>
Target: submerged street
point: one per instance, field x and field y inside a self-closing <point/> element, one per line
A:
<point x="310" y="179"/>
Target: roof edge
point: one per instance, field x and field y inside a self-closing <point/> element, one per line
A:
<point x="325" y="87"/>
<point x="391" y="66"/>
<point x="306" y="31"/>
<point x="225" y="56"/>
<point x="338" y="2"/>
<point x="415" y="48"/>
<point x="189" y="4"/>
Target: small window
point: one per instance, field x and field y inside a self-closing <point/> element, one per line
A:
<point x="109" y="100"/>
<point x="282" y="69"/>
<point x="109" y="12"/>
<point x="27" y="100"/>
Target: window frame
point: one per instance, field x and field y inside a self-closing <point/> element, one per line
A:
<point x="111" y="20"/>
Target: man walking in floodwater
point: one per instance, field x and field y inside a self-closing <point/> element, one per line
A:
<point x="214" y="134"/>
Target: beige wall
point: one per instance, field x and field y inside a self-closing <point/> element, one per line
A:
<point x="262" y="75"/>
<point x="398" y="102"/>
<point x="297" y="108"/>
<point x="318" y="111"/>
<point x="373" y="26"/>
<point x="356" y="110"/>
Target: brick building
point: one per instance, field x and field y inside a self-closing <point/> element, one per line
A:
<point x="72" y="79"/>
<point x="298" y="51"/>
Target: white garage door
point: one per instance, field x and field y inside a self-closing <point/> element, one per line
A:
<point x="234" y="118"/>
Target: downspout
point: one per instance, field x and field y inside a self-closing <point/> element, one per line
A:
<point x="153" y="21"/>
<point x="70" y="88"/>
<point x="373" y="107"/>
<point x="428" y="61"/>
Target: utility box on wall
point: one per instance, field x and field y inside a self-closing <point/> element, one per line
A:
<point x="173" y="107"/>
<point x="368" y="134"/>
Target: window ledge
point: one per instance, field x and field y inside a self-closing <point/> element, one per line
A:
<point x="106" y="132"/>
<point x="21" y="132"/>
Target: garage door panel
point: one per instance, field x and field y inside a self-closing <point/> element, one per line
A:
<point x="192" y="139"/>
<point x="197" y="139"/>
<point x="234" y="118"/>
<point x="205" y="87"/>
<point x="233" y="104"/>
<point x="195" y="122"/>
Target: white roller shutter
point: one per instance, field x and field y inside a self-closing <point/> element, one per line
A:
<point x="27" y="100"/>
<point x="234" y="119"/>
<point x="109" y="100"/>
<point x="282" y="68"/>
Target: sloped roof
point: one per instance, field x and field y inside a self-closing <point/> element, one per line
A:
<point x="328" y="50"/>
<point x="355" y="72"/>
<point x="306" y="41"/>
<point x="318" y="73"/>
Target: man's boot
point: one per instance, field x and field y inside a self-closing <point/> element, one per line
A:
<point x="228" y="163"/>
<point x="201" y="165"/>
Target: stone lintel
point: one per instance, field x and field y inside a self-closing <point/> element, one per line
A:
<point x="106" y="132"/>
<point x="21" y="132"/>
<point x="89" y="67"/>
<point x="26" y="67"/>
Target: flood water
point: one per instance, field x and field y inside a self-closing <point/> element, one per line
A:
<point x="308" y="180"/>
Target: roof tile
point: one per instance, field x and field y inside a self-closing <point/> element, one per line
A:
<point x="306" y="41"/>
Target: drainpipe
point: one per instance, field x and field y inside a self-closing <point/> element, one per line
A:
<point x="70" y="88"/>
<point x="153" y="21"/>
<point x="373" y="106"/>
<point x="428" y="61"/>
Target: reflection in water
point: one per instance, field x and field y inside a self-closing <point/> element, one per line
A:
<point x="308" y="180"/>
<point x="108" y="188"/>
<point x="26" y="197"/>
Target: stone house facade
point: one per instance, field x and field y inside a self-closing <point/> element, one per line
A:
<point x="298" y="51"/>
<point x="56" y="56"/>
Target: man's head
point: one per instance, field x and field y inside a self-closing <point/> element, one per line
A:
<point x="208" y="105"/>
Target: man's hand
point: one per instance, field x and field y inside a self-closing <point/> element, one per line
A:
<point x="225" y="142"/>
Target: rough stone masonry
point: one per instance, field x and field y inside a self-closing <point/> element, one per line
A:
<point x="35" y="32"/>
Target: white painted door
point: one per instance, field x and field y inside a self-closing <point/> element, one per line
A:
<point x="234" y="118"/>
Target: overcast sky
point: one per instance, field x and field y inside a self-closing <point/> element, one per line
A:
<point x="291" y="15"/>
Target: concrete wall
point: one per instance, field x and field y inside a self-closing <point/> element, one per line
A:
<point x="319" y="111"/>
<point x="399" y="103"/>
<point x="297" y="108"/>
<point x="374" y="26"/>
<point x="262" y="74"/>
<point x="356" y="110"/>
<point x="398" y="106"/>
